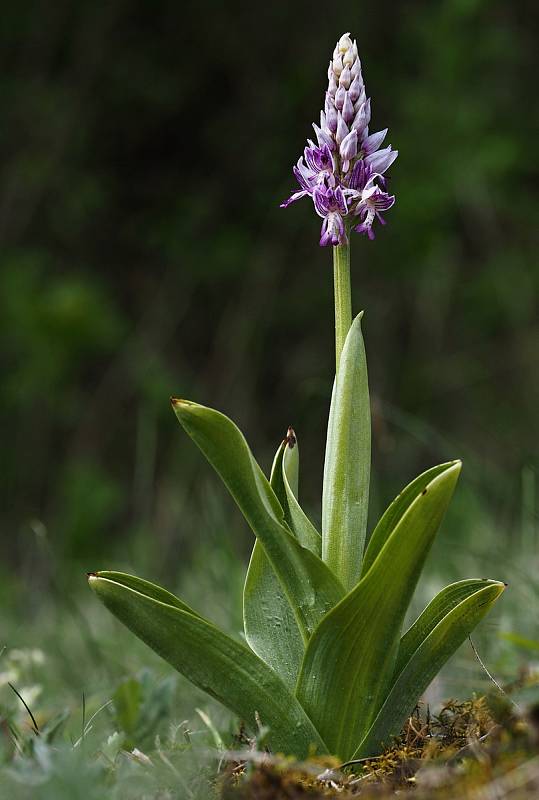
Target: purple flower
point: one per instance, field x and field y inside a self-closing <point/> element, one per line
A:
<point x="319" y="160"/>
<point x="373" y="200"/>
<point x="343" y="174"/>
<point x="319" y="167"/>
<point x="359" y="177"/>
<point x="330" y="204"/>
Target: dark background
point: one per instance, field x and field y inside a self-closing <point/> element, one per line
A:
<point x="145" y="150"/>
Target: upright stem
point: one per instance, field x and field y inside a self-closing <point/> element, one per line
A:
<point x="343" y="297"/>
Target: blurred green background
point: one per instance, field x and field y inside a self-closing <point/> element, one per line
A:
<point x="145" y="150"/>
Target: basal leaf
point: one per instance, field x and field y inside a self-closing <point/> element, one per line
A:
<point x="270" y="625"/>
<point x="224" y="668"/>
<point x="310" y="587"/>
<point x="395" y="511"/>
<point x="345" y="496"/>
<point x="444" y="635"/>
<point x="350" y="658"/>
<point x="146" y="588"/>
<point x="436" y="610"/>
<point x="269" y="622"/>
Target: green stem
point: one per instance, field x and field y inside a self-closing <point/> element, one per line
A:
<point x="343" y="297"/>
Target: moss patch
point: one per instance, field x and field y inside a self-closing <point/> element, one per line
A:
<point x="479" y="749"/>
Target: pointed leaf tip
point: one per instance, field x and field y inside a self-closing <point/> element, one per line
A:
<point x="223" y="667"/>
<point x="414" y="491"/>
<point x="453" y="470"/>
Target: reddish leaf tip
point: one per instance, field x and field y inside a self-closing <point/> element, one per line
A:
<point x="290" y="438"/>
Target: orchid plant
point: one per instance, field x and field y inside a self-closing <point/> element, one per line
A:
<point x="325" y="665"/>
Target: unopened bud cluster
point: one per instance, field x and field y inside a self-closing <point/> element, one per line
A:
<point x="344" y="173"/>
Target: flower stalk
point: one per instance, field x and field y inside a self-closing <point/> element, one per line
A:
<point x="343" y="297"/>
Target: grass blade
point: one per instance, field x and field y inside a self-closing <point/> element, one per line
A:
<point x="224" y="668"/>
<point x="345" y="496"/>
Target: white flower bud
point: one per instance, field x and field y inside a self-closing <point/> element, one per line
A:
<point x="345" y="78"/>
<point x="344" y="43"/>
<point x="342" y="130"/>
<point x="340" y="97"/>
<point x="348" y="146"/>
<point x="348" y="58"/>
<point x="348" y="110"/>
<point x="337" y="66"/>
<point x="355" y="89"/>
<point x="331" y="113"/>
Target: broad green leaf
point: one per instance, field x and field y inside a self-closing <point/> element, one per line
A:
<point x="146" y="588"/>
<point x="436" y="610"/>
<point x="224" y="668"/>
<point x="395" y="511"/>
<point x="350" y="658"/>
<point x="444" y="635"/>
<point x="310" y="587"/>
<point x="270" y="626"/>
<point x="345" y="496"/>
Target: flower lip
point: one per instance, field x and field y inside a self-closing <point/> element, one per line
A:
<point x="332" y="231"/>
<point x="327" y="200"/>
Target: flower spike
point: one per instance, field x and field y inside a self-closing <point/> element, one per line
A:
<point x="343" y="173"/>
